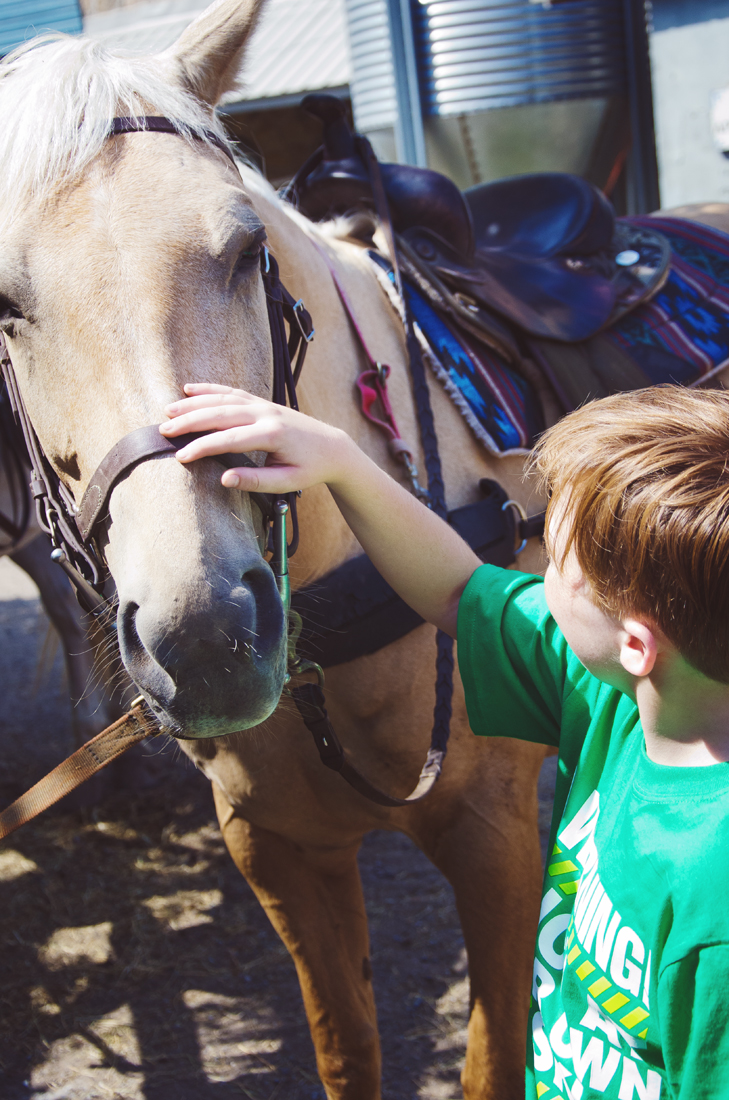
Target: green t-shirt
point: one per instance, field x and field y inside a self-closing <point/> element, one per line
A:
<point x="630" y="997"/>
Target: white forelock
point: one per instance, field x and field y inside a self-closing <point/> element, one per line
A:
<point x="58" y="95"/>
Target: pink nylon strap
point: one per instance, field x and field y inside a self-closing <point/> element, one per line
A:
<point x="372" y="383"/>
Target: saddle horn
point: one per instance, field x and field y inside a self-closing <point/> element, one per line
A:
<point x="335" y="180"/>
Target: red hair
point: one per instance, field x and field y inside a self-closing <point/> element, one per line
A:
<point x="642" y="479"/>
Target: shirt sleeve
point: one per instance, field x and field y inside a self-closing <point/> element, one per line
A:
<point x="513" y="659"/>
<point x="693" y="1013"/>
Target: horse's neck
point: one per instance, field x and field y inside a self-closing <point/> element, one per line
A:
<point x="334" y="361"/>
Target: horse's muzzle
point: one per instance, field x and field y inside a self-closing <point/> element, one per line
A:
<point x="213" y="662"/>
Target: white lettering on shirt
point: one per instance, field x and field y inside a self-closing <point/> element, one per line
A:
<point x="598" y="1054"/>
<point x="602" y="1070"/>
<point x="632" y="1083"/>
<point x="625" y="969"/>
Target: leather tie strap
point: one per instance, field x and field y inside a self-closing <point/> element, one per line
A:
<point x="157" y="124"/>
<point x="135" y="726"/>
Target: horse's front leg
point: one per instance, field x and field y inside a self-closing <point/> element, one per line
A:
<point x="313" y="899"/>
<point x="483" y="836"/>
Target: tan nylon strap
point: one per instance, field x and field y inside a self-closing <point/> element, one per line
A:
<point x="135" y="726"/>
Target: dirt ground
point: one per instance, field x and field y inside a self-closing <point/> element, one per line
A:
<point x="137" y="965"/>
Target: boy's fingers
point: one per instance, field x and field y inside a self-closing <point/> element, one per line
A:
<point x="263" y="479"/>
<point x="208" y="420"/>
<point x="238" y="440"/>
<point x="211" y="401"/>
<point x="195" y="388"/>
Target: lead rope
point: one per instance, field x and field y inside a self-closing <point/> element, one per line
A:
<point x="136" y="725"/>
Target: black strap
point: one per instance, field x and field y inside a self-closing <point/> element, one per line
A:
<point x="309" y="699"/>
<point x="288" y="354"/>
<point x="352" y="611"/>
<point x="429" y="440"/>
<point x="159" y="125"/>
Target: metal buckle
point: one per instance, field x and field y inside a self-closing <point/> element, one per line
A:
<point x="267" y="254"/>
<point x="296" y="665"/>
<point x="419" y="491"/>
<point x="522" y="516"/>
<point x="298" y="308"/>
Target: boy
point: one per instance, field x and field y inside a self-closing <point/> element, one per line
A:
<point x="621" y="659"/>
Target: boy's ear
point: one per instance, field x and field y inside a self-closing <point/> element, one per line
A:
<point x="638" y="648"/>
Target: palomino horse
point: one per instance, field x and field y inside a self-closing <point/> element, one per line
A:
<point x="130" y="265"/>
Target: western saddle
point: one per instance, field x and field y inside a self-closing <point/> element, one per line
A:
<point x="543" y="252"/>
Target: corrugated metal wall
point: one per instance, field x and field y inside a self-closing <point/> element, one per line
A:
<point x="478" y="54"/>
<point x="23" y="19"/>
<point x="373" y="83"/>
<point x="474" y="55"/>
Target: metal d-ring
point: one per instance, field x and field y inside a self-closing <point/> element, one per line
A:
<point x="298" y="308"/>
<point x="522" y="516"/>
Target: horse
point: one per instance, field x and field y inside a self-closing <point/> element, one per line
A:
<point x="22" y="540"/>
<point x="131" y="264"/>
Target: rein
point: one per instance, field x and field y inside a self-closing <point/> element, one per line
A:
<point x="73" y="531"/>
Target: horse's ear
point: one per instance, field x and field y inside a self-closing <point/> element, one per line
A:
<point x="206" y="57"/>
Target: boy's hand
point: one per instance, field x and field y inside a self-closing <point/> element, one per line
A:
<point x="429" y="567"/>
<point x="301" y="451"/>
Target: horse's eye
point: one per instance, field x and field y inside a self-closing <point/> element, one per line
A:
<point x="250" y="256"/>
<point x="9" y="314"/>
<point x="9" y="309"/>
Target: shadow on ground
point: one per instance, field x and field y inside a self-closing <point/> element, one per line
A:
<point x="135" y="963"/>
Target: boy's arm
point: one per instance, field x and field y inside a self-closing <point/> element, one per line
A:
<point x="418" y="554"/>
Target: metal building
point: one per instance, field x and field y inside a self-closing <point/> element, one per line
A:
<point x="482" y="89"/>
<point x="23" y="19"/>
<point x="690" y="63"/>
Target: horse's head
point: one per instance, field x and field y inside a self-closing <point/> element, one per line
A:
<point x="128" y="266"/>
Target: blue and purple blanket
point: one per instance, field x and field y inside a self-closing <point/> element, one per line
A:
<point x="680" y="335"/>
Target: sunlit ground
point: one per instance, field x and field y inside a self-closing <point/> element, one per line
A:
<point x="135" y="963"/>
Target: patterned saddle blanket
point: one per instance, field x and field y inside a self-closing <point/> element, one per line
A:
<point x="681" y="335"/>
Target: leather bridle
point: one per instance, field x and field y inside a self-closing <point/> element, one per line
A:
<point x="74" y="529"/>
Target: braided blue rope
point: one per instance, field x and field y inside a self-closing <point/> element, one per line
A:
<point x="444" y="662"/>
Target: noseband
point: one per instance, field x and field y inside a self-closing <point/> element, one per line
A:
<point x="73" y="529"/>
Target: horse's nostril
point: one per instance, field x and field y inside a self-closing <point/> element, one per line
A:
<point x="147" y="673"/>
<point x="258" y="581"/>
<point x="129" y="639"/>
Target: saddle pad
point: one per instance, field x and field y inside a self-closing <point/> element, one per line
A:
<point x="682" y="333"/>
<point x="497" y="403"/>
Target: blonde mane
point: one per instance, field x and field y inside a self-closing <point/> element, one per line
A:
<point x="58" y="95"/>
